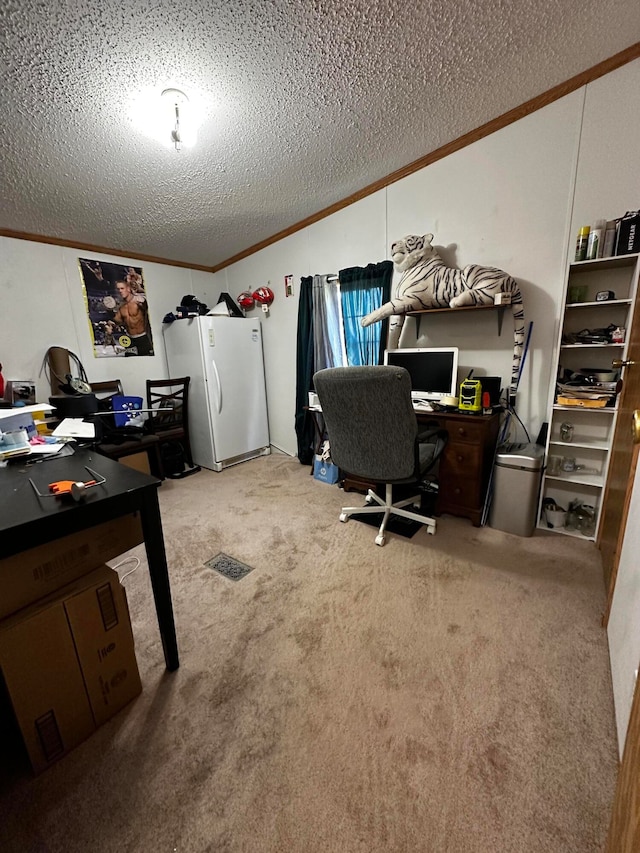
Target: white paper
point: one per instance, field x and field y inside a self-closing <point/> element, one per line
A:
<point x="221" y="309"/>
<point x="46" y="449"/>
<point x="75" y="428"/>
<point x="25" y="410"/>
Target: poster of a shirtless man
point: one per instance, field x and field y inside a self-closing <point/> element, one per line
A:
<point x="118" y="309"/>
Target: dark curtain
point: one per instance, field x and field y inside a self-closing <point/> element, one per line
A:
<point x="363" y="289"/>
<point x="304" y="371"/>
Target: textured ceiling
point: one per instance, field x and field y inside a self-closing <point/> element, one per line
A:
<point x="304" y="103"/>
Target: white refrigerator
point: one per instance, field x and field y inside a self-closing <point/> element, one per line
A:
<point x="227" y="397"/>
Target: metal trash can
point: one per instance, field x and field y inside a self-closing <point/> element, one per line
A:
<point x="516" y="488"/>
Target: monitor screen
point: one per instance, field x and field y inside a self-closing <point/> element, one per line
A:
<point x="433" y="370"/>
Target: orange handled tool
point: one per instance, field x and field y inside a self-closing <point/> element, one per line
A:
<point x="65" y="487"/>
<point x="75" y="488"/>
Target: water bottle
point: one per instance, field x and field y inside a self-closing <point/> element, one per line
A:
<point x="595" y="240"/>
<point x="609" y="239"/>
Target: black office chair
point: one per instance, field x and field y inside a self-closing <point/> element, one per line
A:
<point x="373" y="435"/>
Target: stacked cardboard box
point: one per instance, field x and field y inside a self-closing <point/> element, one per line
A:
<point x="67" y="655"/>
<point x="34" y="573"/>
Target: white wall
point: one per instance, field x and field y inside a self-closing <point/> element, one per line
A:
<point x="505" y="202"/>
<point x="608" y="175"/>
<point x="43" y="305"/>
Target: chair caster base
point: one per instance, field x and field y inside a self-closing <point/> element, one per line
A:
<point x="380" y="540"/>
<point x="344" y="516"/>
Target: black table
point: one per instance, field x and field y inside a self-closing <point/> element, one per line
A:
<point x="27" y="520"/>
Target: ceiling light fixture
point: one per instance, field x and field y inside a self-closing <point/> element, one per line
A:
<point x="173" y="101"/>
<point x="167" y="115"/>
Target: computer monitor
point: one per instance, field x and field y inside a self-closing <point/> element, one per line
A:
<point x="433" y="370"/>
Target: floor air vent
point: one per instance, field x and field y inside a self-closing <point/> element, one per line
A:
<point x="227" y="566"/>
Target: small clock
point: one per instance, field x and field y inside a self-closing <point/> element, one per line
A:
<point x="604" y="295"/>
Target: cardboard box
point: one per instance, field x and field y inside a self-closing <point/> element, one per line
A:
<point x="99" y="622"/>
<point x="44" y="681"/>
<point x="581" y="404"/>
<point x="34" y="573"/>
<point x="69" y="664"/>
<point x="138" y="461"/>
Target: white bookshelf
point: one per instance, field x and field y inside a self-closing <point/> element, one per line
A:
<point x="593" y="428"/>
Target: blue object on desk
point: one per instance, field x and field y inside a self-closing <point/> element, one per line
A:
<point x="125" y="409"/>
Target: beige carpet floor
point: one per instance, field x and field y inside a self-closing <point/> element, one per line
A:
<point x="443" y="693"/>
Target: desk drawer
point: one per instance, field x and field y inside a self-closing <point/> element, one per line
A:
<point x="466" y="462"/>
<point x="469" y="431"/>
<point x="460" y="476"/>
<point x="461" y="461"/>
<point x="461" y="494"/>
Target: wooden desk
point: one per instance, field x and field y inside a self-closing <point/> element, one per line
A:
<point x="27" y="520"/>
<point x="466" y="462"/>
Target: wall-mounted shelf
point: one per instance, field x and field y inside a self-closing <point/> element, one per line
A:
<point x="419" y="314"/>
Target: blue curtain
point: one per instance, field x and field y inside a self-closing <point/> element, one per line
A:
<point x="363" y="289"/>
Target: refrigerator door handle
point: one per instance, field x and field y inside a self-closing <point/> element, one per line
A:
<point x="219" y="388"/>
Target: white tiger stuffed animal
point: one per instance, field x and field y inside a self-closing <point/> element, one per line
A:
<point x="426" y="282"/>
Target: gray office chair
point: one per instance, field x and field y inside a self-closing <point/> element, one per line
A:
<point x="373" y="435"/>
